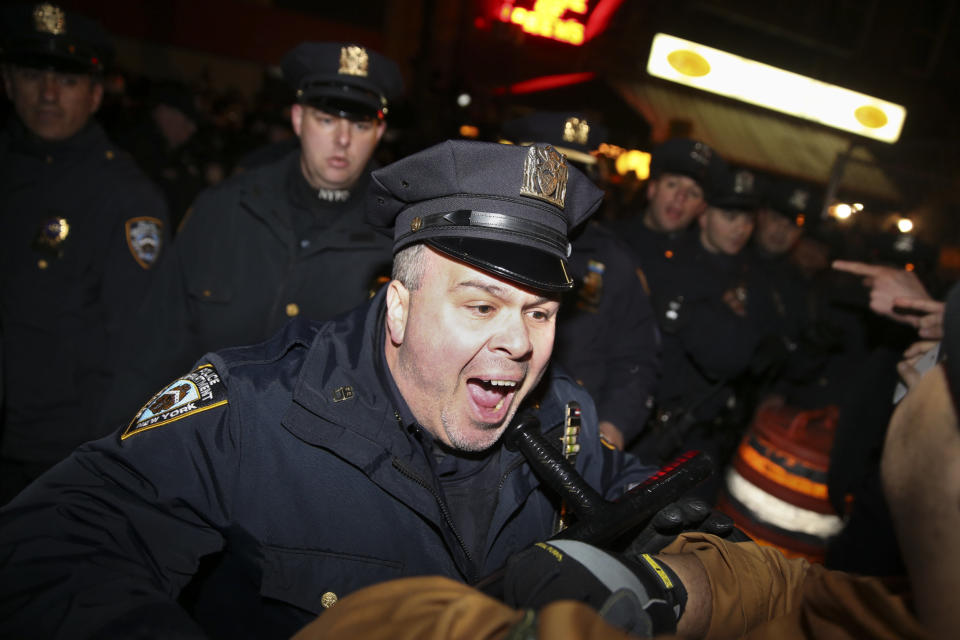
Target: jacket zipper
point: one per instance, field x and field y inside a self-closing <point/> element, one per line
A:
<point x="398" y="465"/>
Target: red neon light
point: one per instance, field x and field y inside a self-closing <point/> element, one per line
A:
<point x="545" y="82"/>
<point x="548" y="18"/>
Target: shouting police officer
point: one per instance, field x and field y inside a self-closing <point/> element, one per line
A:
<point x="80" y="230"/>
<point x="283" y="240"/>
<point x="336" y="454"/>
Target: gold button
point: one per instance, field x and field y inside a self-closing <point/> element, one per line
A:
<point x="415" y="224"/>
<point x="293" y="310"/>
<point x="49" y="159"/>
<point x="42" y="264"/>
<point x="207" y="293"/>
<point x="328" y="599"/>
<point x="109" y="154"/>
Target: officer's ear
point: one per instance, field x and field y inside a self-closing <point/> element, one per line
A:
<point x="296" y="115"/>
<point x="398" y="309"/>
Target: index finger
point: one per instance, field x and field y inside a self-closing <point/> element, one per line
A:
<point x="929" y="305"/>
<point x="858" y="268"/>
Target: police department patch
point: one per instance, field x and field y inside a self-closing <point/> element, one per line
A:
<point x="144" y="238"/>
<point x="198" y="391"/>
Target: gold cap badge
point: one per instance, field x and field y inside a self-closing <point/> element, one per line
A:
<point x="576" y="130"/>
<point x="545" y="175"/>
<point x="48" y="18"/>
<point x="354" y="61"/>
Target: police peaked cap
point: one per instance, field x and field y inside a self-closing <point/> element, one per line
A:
<point x="685" y="157"/>
<point x="799" y="203"/>
<point x="733" y="189"/>
<point x="573" y="134"/>
<point x="501" y="208"/>
<point x="342" y="78"/>
<point x="45" y="36"/>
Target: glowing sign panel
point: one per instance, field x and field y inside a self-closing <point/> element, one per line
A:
<point x="555" y="19"/>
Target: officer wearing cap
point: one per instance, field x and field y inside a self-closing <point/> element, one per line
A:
<point x="680" y="173"/>
<point x="336" y="454"/>
<point x="283" y="240"/>
<point x="81" y="230"/>
<point x="607" y="335"/>
<point x="703" y="304"/>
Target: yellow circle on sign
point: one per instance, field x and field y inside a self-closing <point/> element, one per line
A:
<point x="688" y="63"/>
<point x="871" y="117"/>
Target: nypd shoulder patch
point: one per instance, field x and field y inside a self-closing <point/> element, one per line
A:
<point x="196" y="392"/>
<point x="145" y="239"/>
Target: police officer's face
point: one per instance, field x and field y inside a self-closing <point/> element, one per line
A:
<point x="776" y="234"/>
<point x="465" y="348"/>
<point x="53" y="105"/>
<point x="725" y="231"/>
<point x="334" y="150"/>
<point x="673" y="202"/>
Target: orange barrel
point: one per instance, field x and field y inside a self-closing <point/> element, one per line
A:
<point x="776" y="487"/>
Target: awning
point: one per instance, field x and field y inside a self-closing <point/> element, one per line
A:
<point x="750" y="137"/>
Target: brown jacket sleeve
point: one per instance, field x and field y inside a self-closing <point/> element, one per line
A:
<point x="757" y="593"/>
<point x="758" y="590"/>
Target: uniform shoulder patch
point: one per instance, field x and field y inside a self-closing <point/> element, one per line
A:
<point x="144" y="239"/>
<point x="196" y="392"/>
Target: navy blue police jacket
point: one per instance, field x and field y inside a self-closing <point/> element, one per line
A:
<point x="81" y="232"/>
<point x="286" y="459"/>
<point x="254" y="251"/>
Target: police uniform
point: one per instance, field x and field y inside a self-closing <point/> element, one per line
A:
<point x="707" y="347"/>
<point x="297" y="461"/>
<point x="682" y="156"/>
<point x="607" y="337"/>
<point x="265" y="246"/>
<point x="81" y="229"/>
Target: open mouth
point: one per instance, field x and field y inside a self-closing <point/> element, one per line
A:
<point x="491" y="397"/>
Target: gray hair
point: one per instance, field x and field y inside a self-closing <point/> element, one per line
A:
<point x="408" y="266"/>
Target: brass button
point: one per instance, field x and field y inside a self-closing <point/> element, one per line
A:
<point x="42" y="264"/>
<point x="293" y="309"/>
<point x="416" y="223"/>
<point x="207" y="293"/>
<point x="108" y="154"/>
<point x="328" y="599"/>
<point x="49" y="159"/>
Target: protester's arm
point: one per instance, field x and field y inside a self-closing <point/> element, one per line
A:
<point x="887" y="285"/>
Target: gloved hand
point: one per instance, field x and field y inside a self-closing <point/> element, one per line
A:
<point x="686" y="514"/>
<point x="642" y="595"/>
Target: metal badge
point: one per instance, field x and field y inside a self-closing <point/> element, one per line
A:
<point x="576" y="130"/>
<point x="799" y="199"/>
<point x="354" y="61"/>
<point x="342" y="393"/>
<point x="545" y="175"/>
<point x="701" y="153"/>
<point x="50" y="237"/>
<point x="48" y="18"/>
<point x="743" y="182"/>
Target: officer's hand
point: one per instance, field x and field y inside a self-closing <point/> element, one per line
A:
<point x="687" y="514"/>
<point x="642" y="596"/>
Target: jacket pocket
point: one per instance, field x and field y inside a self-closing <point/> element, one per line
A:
<point x="302" y="577"/>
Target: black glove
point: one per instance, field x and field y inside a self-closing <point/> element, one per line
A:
<point x="640" y="595"/>
<point x="686" y="514"/>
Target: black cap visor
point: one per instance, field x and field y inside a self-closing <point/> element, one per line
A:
<point x="523" y="265"/>
<point x="53" y="62"/>
<point x="344" y="101"/>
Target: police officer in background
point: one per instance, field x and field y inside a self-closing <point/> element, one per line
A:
<point x="283" y="240"/>
<point x="680" y="171"/>
<point x="703" y="303"/>
<point x="607" y="336"/>
<point x="81" y="229"/>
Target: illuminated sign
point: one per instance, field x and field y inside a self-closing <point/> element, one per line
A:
<point x="725" y="74"/>
<point x="570" y="21"/>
